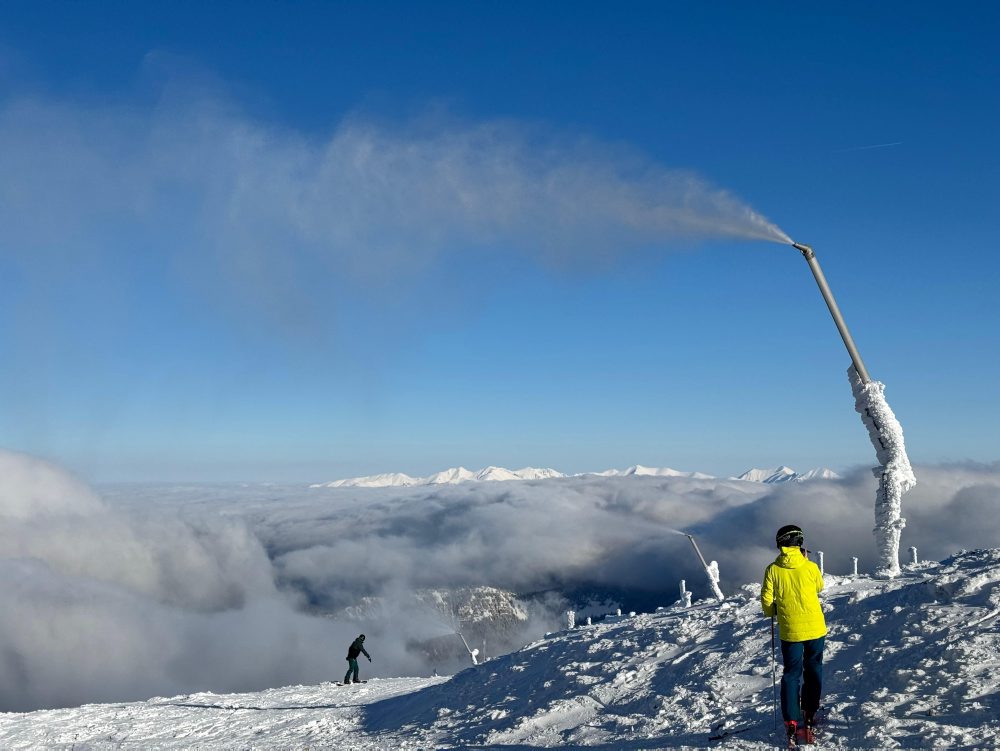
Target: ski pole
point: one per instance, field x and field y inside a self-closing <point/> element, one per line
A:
<point x="774" y="685"/>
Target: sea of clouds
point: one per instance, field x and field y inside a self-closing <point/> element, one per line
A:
<point x="139" y="591"/>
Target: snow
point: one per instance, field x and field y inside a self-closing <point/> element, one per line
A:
<point x="786" y="474"/>
<point x="385" y="480"/>
<point x="894" y="473"/>
<point x="818" y="473"/>
<point x="637" y="470"/>
<point x="451" y="476"/>
<point x="458" y="475"/>
<point x="911" y="662"/>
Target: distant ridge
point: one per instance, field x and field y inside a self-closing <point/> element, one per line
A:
<point x="641" y="471"/>
<point x="452" y="476"/>
<point x="457" y="475"/>
<point x="786" y="474"/>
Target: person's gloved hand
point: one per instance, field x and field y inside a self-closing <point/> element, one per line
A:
<point x="369" y="659"/>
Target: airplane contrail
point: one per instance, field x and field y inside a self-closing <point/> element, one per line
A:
<point x="866" y="148"/>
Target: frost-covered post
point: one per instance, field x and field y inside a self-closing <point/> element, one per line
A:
<point x="711" y="570"/>
<point x="589" y="622"/>
<point x="854" y="563"/>
<point x="570" y="619"/>
<point x="894" y="472"/>
<point x="820" y="554"/>
<point x="713" y="580"/>
<point x="685" y="599"/>
<point x="913" y="555"/>
<point x="618" y="612"/>
<point x="473" y="653"/>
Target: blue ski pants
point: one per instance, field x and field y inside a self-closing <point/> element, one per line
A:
<point x="803" y="665"/>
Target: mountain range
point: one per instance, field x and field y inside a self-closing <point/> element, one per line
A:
<point x="458" y="475"/>
<point x="786" y="474"/>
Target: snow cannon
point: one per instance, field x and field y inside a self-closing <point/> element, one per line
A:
<point x="711" y="570"/>
<point x="831" y="303"/>
<point x="473" y="653"/>
<point x="894" y="472"/>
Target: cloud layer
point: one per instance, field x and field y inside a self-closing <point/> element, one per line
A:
<point x="105" y="604"/>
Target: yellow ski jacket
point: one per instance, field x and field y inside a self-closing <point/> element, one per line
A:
<point x="790" y="589"/>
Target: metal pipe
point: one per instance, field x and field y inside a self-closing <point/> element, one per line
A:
<point x="696" y="550"/>
<point x="831" y="303"/>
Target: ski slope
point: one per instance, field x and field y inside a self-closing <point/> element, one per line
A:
<point x="910" y="663"/>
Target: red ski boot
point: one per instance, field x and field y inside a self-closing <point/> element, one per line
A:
<point x="792" y="728"/>
<point x="804" y="735"/>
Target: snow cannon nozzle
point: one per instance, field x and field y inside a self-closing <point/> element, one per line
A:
<point x="807" y="251"/>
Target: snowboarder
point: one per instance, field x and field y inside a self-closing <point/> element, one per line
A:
<point x="790" y="591"/>
<point x="357" y="648"/>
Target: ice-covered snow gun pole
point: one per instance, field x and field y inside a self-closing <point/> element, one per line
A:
<point x="894" y="473"/>
<point x="711" y="570"/>
<point x="473" y="653"/>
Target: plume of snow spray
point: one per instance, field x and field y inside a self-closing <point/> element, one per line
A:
<point x="369" y="201"/>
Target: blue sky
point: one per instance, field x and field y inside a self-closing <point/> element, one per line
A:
<point x="174" y="328"/>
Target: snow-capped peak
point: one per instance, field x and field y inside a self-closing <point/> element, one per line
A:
<point x="818" y="473"/>
<point x="451" y="476"/>
<point x="786" y="474"/>
<point x="446" y="477"/>
<point x="384" y="480"/>
<point x="638" y="470"/>
<point x="496" y="474"/>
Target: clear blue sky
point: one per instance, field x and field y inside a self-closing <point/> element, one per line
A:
<point x="123" y="358"/>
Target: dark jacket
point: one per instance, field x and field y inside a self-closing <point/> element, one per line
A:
<point x="357" y="647"/>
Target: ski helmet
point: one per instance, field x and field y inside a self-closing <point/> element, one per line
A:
<point x="362" y="637"/>
<point x="789" y="536"/>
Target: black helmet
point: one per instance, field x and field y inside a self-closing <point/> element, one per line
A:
<point x="362" y="637"/>
<point x="789" y="536"/>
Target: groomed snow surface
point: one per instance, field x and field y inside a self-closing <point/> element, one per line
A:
<point x="910" y="663"/>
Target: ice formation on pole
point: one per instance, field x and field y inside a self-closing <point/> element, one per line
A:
<point x="685" y="598"/>
<point x="894" y="472"/>
<point x="712" y="569"/>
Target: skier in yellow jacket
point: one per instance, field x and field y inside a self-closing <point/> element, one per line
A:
<point x="790" y="590"/>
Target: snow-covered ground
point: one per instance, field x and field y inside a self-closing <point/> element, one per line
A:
<point x="911" y="663"/>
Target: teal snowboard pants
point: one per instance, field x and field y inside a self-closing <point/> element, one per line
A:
<point x="352" y="667"/>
